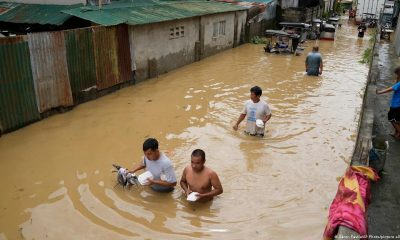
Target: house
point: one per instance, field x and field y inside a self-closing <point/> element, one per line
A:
<point x="299" y="10"/>
<point x="165" y="35"/>
<point x="261" y="15"/>
<point x="56" y="2"/>
<point x="21" y="18"/>
<point x="50" y="71"/>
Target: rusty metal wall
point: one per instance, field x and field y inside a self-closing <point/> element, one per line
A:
<point x="17" y="94"/>
<point x="81" y="63"/>
<point x="49" y="69"/>
<point x="106" y="59"/>
<point x="124" y="55"/>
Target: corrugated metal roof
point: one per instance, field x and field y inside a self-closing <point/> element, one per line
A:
<point x="34" y="13"/>
<point x="152" y="11"/>
<point x="238" y="2"/>
<point x="17" y="95"/>
<point x="49" y="70"/>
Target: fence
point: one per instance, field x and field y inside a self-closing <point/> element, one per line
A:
<point x="44" y="71"/>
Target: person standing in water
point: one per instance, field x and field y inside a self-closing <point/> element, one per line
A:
<point x="254" y="109"/>
<point x="314" y="65"/>
<point x="160" y="166"/>
<point x="201" y="179"/>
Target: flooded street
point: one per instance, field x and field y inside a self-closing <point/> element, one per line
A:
<point x="56" y="180"/>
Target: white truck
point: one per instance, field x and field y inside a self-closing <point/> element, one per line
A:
<point x="369" y="9"/>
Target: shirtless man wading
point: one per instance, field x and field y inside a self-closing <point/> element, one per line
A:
<point x="199" y="178"/>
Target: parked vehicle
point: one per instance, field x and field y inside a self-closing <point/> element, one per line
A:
<point x="335" y="21"/>
<point x="323" y="30"/>
<point x="387" y="15"/>
<point x="316" y="29"/>
<point x="386" y="31"/>
<point x="369" y="7"/>
<point x="328" y="32"/>
<point x="369" y="20"/>
<point x="282" y="42"/>
<point x="301" y="29"/>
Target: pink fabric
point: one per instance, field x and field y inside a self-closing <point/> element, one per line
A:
<point x="351" y="201"/>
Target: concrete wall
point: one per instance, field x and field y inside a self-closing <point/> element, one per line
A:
<point x="270" y="12"/>
<point x="258" y="28"/>
<point x="234" y="25"/>
<point x="59" y="2"/>
<point x="328" y="5"/>
<point x="396" y="41"/>
<point x="154" y="51"/>
<point x="301" y="14"/>
<point x="288" y="3"/>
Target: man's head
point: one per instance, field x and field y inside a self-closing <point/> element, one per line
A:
<point x="315" y="49"/>
<point x="397" y="72"/>
<point x="198" y="159"/>
<point x="150" y="149"/>
<point x="255" y="94"/>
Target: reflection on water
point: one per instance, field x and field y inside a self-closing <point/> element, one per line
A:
<point x="56" y="179"/>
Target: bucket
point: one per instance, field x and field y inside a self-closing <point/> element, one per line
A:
<point x="377" y="154"/>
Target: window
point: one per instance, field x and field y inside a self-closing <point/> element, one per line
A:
<point x="222" y="27"/>
<point x="215" y="31"/>
<point x="219" y="29"/>
<point x="176" y="32"/>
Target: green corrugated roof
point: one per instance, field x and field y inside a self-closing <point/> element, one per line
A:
<point x="257" y="1"/>
<point x="142" y="12"/>
<point x="34" y="13"/>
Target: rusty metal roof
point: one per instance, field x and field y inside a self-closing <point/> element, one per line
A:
<point x="34" y="13"/>
<point x="151" y="11"/>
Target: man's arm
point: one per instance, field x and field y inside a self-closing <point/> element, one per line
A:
<point x="217" y="187"/>
<point x="170" y="178"/>
<point x="384" y="90"/>
<point x="268" y="113"/>
<point x="306" y="63"/>
<point x="137" y="168"/>
<point x="241" y="118"/>
<point x="162" y="183"/>
<point x="321" y="67"/>
<point x="267" y="118"/>
<point x="184" y="183"/>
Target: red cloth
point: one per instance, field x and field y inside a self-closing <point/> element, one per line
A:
<point x="351" y="201"/>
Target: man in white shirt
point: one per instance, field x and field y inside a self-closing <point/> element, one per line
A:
<point x="160" y="166"/>
<point x="254" y="109"/>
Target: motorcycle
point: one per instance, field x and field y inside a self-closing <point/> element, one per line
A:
<point x="125" y="178"/>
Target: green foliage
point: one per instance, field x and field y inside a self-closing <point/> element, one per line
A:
<point x="372" y="38"/>
<point x="338" y="8"/>
<point x="258" y="40"/>
<point x="367" y="55"/>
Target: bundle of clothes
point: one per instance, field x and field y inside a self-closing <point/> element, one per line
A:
<point x="349" y="206"/>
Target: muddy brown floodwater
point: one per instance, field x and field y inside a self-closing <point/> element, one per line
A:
<point x="56" y="180"/>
